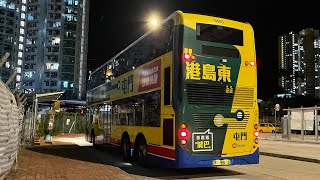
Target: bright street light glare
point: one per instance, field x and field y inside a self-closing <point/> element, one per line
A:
<point x="154" y="22"/>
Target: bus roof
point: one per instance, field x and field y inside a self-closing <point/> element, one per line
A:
<point x="177" y="15"/>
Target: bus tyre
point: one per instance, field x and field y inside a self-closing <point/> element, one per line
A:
<point x="125" y="149"/>
<point x="273" y="131"/>
<point x="141" y="152"/>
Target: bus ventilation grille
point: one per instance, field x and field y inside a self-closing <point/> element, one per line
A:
<point x="243" y="97"/>
<point x="208" y="94"/>
<point x="205" y="120"/>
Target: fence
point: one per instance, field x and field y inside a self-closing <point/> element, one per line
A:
<point x="27" y="128"/>
<point x="301" y="124"/>
<point x="11" y="119"/>
<point x="64" y="122"/>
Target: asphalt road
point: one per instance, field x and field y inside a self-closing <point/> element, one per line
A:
<point x="269" y="168"/>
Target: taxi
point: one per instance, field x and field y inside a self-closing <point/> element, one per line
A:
<point x="269" y="128"/>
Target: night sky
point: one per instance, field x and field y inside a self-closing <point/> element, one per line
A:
<point x="116" y="24"/>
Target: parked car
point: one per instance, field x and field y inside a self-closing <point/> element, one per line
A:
<point x="269" y="128"/>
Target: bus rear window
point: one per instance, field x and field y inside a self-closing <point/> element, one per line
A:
<point x="219" y="34"/>
<point x="219" y="51"/>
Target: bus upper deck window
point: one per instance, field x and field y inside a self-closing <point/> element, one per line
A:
<point x="219" y="34"/>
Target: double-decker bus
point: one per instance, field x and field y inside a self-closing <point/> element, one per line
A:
<point x="184" y="95"/>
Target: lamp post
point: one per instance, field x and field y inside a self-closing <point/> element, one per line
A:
<point x="276" y="108"/>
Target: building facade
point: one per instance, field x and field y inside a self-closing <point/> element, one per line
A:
<point x="12" y="30"/>
<point x="299" y="62"/>
<point x="56" y="47"/>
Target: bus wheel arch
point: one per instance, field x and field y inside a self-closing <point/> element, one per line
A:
<point x="125" y="147"/>
<point x="140" y="150"/>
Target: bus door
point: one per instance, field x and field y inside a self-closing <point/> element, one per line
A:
<point x="167" y="110"/>
<point x="97" y="126"/>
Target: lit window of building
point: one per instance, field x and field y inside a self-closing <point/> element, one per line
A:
<point x="23" y="16"/>
<point x="18" y="69"/>
<point x="18" y="78"/>
<point x="19" y="62"/>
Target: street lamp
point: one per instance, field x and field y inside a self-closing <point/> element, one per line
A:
<point x="153" y="22"/>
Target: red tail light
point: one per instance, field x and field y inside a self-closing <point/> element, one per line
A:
<point x="186" y="57"/>
<point x="183" y="134"/>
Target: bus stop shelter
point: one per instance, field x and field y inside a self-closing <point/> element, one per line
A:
<point x="41" y="98"/>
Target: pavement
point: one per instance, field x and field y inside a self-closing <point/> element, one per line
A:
<point x="53" y="161"/>
<point x="297" y="149"/>
<point x="47" y="161"/>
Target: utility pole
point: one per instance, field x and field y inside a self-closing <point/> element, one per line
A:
<point x="276" y="108"/>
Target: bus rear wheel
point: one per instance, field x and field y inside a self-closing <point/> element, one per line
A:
<point x="125" y="148"/>
<point x="141" y="152"/>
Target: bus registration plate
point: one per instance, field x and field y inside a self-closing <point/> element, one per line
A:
<point x="221" y="162"/>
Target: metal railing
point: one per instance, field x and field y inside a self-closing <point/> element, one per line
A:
<point x="301" y="124"/>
